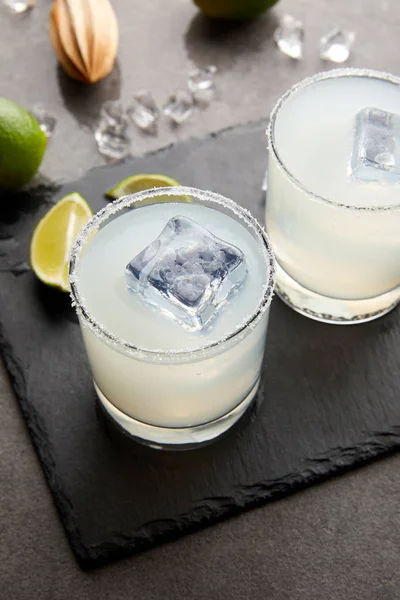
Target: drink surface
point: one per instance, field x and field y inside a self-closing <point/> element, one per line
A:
<point x="102" y="286"/>
<point x="314" y="137"/>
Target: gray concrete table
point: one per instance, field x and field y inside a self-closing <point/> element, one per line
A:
<point x="339" y="540"/>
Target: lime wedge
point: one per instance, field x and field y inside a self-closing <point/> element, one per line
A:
<point x="54" y="237"/>
<point x="139" y="183"/>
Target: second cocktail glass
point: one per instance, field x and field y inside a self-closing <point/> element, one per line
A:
<point x="333" y="198"/>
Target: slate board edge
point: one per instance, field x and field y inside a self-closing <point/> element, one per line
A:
<point x="161" y="531"/>
<point x="38" y="436"/>
<point x="107" y="165"/>
<point x="87" y="558"/>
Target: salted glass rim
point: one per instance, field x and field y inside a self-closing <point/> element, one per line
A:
<point x="129" y="201"/>
<point x="331" y="74"/>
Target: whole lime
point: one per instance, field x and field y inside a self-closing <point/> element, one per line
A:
<point x="234" y="9"/>
<point x="22" y="145"/>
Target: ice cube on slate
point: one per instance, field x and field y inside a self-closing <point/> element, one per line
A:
<point x="111" y="131"/>
<point x="336" y="45"/>
<point x="179" y="106"/>
<point x="20" y="6"/>
<point x="47" y="122"/>
<point x="187" y="272"/>
<point x="145" y="112"/>
<point x="376" y="151"/>
<point x="201" y="84"/>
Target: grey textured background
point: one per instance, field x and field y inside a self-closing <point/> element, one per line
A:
<point x="337" y="540"/>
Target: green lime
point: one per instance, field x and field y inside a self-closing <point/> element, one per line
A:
<point x="22" y="145"/>
<point x="234" y="9"/>
<point x="146" y="181"/>
<point x="54" y="237"/>
<point x="138" y="183"/>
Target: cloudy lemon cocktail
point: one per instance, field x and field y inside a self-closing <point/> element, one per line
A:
<point x="172" y="288"/>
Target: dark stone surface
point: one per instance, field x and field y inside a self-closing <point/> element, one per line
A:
<point x="335" y="541"/>
<point x="328" y="401"/>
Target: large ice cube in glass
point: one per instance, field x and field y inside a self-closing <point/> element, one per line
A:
<point x="187" y="272"/>
<point x="376" y="151"/>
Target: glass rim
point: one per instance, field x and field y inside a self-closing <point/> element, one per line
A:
<point x="331" y="74"/>
<point x="129" y="201"/>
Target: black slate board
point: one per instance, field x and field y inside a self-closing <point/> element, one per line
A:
<point x="329" y="398"/>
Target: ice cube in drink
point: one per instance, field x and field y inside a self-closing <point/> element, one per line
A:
<point x="187" y="272"/>
<point x="376" y="150"/>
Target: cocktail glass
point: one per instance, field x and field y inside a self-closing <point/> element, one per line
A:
<point x="161" y="382"/>
<point x="333" y="198"/>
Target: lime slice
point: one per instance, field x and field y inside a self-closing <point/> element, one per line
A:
<point x="53" y="239"/>
<point x="138" y="183"/>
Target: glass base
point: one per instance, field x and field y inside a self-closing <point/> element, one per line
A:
<point x="179" y="437"/>
<point x="332" y="310"/>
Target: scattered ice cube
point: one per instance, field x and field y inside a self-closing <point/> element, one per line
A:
<point x="110" y="145"/>
<point x="145" y="112"/>
<point x="46" y="121"/>
<point x="376" y="151"/>
<point x="336" y="45"/>
<point x="201" y="84"/>
<point x="114" y="115"/>
<point x="20" y="6"/>
<point x="289" y="37"/>
<point x="111" y="132"/>
<point x="179" y="106"/>
<point x="187" y="272"/>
